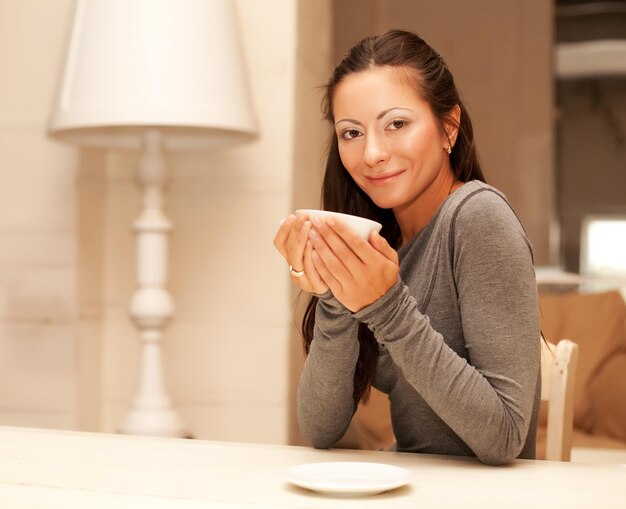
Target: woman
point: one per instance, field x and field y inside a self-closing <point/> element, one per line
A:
<point x="448" y="324"/>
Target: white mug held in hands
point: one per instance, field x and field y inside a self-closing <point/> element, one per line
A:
<point x="360" y="225"/>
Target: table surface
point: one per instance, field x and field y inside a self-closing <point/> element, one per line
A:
<point x="64" y="469"/>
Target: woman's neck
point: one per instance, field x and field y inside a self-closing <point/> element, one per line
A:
<point x="413" y="217"/>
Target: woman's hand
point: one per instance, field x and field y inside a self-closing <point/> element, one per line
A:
<point x="292" y="241"/>
<point x="357" y="272"/>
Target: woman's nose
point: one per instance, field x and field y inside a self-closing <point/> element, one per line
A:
<point x="376" y="149"/>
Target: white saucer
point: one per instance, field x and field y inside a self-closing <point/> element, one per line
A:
<point x="348" y="478"/>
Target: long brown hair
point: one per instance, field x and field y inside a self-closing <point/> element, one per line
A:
<point x="434" y="83"/>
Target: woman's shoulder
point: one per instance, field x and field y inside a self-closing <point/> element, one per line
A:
<point x="481" y="204"/>
<point x="475" y="194"/>
<point x="481" y="213"/>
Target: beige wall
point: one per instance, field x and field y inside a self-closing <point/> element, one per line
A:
<point x="68" y="351"/>
<point x="38" y="261"/>
<point x="500" y="53"/>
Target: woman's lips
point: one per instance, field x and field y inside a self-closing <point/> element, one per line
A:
<point x="384" y="178"/>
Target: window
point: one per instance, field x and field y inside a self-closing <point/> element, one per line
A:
<point x="603" y="251"/>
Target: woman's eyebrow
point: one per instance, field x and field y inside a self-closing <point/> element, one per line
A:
<point x="378" y="117"/>
<point x="351" y="120"/>
<point x="383" y="113"/>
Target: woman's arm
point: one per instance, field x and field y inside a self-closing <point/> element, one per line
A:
<point x="487" y="402"/>
<point x="325" y="402"/>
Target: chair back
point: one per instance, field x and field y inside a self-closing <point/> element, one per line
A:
<point x="558" y="372"/>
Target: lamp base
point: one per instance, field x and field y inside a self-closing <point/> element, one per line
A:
<point x="162" y="422"/>
<point x="151" y="307"/>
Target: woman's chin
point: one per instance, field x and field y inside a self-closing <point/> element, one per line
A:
<point x="385" y="202"/>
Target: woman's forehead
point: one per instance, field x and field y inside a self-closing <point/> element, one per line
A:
<point x="376" y="88"/>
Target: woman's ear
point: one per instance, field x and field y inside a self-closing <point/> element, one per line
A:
<point x="452" y="121"/>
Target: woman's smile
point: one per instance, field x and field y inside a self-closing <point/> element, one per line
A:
<point x="380" y="179"/>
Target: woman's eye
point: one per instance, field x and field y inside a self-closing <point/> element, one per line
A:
<point x="397" y="124"/>
<point x="350" y="134"/>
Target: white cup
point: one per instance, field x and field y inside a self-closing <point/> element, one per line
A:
<point x="360" y="225"/>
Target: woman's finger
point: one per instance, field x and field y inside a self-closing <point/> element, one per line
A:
<point x="380" y="243"/>
<point x="316" y="282"/>
<point x="334" y="260"/>
<point x="327" y="276"/>
<point x="359" y="246"/>
<point x="280" y="240"/>
<point x="339" y="248"/>
<point x="296" y="242"/>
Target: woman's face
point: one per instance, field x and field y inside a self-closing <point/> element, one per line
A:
<point x="389" y="140"/>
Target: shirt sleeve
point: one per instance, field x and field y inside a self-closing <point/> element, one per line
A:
<point x="488" y="401"/>
<point x="325" y="402"/>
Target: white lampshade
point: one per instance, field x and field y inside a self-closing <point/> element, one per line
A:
<point x="171" y="64"/>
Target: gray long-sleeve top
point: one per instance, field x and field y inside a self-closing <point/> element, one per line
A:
<point x="458" y="336"/>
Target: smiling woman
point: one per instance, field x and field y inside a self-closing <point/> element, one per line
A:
<point x="439" y="310"/>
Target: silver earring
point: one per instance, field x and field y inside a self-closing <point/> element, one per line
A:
<point x="449" y="149"/>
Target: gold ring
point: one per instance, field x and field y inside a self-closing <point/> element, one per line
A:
<point x="295" y="273"/>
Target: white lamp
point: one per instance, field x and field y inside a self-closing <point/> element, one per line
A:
<point x="155" y="75"/>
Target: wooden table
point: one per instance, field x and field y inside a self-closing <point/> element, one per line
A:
<point x="61" y="469"/>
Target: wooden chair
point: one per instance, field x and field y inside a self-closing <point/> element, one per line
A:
<point x="558" y="372"/>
